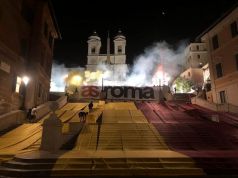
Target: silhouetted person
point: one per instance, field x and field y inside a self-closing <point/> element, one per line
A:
<point x="76" y="90"/>
<point x="33" y="114"/>
<point x="90" y="106"/>
<point x="67" y="95"/>
<point x="28" y="116"/>
<point x="175" y="89"/>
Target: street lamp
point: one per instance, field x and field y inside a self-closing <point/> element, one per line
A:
<point x="25" y="80"/>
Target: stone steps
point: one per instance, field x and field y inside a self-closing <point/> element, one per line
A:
<point x="97" y="164"/>
<point x="67" y="167"/>
<point x="6" y="157"/>
<point x="101" y="172"/>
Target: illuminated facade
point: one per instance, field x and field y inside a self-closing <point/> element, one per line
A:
<point x="195" y="58"/>
<point x="27" y="33"/>
<point x="196" y="55"/>
<point x="222" y="39"/>
<point x="195" y="75"/>
<point x="116" y="63"/>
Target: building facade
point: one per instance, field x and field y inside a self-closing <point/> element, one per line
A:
<point x="222" y="42"/>
<point x="27" y="34"/>
<point x="195" y="75"/>
<point x="116" y="63"/>
<point x="196" y="55"/>
<point x="207" y="83"/>
<point x="195" y="58"/>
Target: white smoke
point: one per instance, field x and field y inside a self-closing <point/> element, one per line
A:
<point x="160" y="56"/>
<point x="58" y="75"/>
<point x="161" y="53"/>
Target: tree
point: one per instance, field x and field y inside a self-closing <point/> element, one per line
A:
<point x="183" y="85"/>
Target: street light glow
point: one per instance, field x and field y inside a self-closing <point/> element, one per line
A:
<point x="76" y="80"/>
<point x="25" y="80"/>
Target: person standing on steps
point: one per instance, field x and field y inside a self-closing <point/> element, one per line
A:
<point x="29" y="114"/>
<point x="90" y="106"/>
<point x="33" y="114"/>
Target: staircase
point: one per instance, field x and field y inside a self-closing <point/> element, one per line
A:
<point x="101" y="163"/>
<point x="5" y="157"/>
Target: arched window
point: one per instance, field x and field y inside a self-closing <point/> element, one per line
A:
<point x="119" y="50"/>
<point x="93" y="50"/>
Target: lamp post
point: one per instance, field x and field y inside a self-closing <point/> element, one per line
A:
<point x="102" y="84"/>
<point x="25" y="80"/>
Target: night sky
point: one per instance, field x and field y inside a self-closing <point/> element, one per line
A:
<point x="142" y="22"/>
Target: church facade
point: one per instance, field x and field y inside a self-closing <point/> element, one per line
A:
<point x="115" y="63"/>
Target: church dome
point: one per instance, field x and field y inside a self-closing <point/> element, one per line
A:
<point x="94" y="36"/>
<point x="119" y="35"/>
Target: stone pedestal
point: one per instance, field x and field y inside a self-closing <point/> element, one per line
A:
<point x="215" y="118"/>
<point x="52" y="131"/>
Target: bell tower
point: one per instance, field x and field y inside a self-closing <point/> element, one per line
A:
<point x="94" y="44"/>
<point x="119" y="44"/>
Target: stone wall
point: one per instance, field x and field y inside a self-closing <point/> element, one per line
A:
<point x="11" y="119"/>
<point x="215" y="107"/>
<point x="14" y="118"/>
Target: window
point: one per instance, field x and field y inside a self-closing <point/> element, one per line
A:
<point x="197" y="47"/>
<point x="14" y="81"/>
<point x="234" y="31"/>
<point x="236" y="61"/>
<point x="222" y="96"/>
<point x="93" y="51"/>
<point x="42" y="60"/>
<point x="27" y="13"/>
<point x="189" y="74"/>
<point x="24" y="47"/>
<point x="39" y="91"/>
<point x="46" y="30"/>
<point x="215" y="42"/>
<point x="50" y="41"/>
<point x="18" y="84"/>
<point x="219" y="70"/>
<point x="119" y="49"/>
<point x="208" y="87"/>
<point x="200" y="65"/>
<point x="198" y="56"/>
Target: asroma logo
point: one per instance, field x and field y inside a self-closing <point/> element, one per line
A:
<point x="118" y="92"/>
<point x="90" y="91"/>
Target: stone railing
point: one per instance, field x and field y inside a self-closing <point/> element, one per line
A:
<point x="226" y="107"/>
<point x="11" y="119"/>
<point x="4" y="107"/>
<point x="16" y="117"/>
<point x="44" y="109"/>
<point x="62" y="101"/>
<point x="53" y="136"/>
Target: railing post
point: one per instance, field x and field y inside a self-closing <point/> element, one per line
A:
<point x="52" y="131"/>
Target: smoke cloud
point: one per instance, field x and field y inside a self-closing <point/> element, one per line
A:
<point x="59" y="75"/>
<point x="158" y="65"/>
<point x="159" y="55"/>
